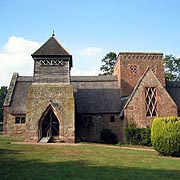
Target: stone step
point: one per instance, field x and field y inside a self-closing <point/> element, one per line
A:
<point x="44" y="139"/>
<point x="55" y="139"/>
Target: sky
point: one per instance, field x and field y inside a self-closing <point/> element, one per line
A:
<point x="88" y="29"/>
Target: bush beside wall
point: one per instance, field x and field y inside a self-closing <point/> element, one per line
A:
<point x="138" y="136"/>
<point x="165" y="135"/>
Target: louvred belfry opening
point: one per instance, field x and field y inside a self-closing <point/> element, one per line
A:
<point x="151" y="101"/>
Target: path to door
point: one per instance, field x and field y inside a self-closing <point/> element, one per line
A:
<point x="86" y="144"/>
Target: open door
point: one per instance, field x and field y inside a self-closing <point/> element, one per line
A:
<point x="48" y="126"/>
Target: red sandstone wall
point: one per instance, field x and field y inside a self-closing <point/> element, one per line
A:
<point x="117" y="71"/>
<point x="128" y="78"/>
<point x="135" y="111"/>
<point x="12" y="129"/>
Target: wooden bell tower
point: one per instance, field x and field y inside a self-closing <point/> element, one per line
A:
<point x="52" y="63"/>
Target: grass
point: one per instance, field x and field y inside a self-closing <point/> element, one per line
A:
<point x="83" y="161"/>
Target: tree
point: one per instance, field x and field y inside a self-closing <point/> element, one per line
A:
<point x="108" y="67"/>
<point x="3" y="92"/>
<point x="172" y="68"/>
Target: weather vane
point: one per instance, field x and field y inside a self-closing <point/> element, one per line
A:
<point x="53" y="33"/>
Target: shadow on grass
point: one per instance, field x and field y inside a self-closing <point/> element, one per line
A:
<point x="12" y="168"/>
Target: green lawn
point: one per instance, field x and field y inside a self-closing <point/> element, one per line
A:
<point x="83" y="161"/>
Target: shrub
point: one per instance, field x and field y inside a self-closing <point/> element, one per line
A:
<point x="165" y="135"/>
<point x="108" y="137"/>
<point x="138" y="136"/>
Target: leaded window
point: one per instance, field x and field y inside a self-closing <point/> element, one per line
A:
<point x="20" y="119"/>
<point x="151" y="101"/>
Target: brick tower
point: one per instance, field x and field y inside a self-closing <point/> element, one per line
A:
<point x="130" y="67"/>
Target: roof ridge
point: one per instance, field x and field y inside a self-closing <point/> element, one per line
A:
<point x="41" y="46"/>
<point x="61" y="45"/>
<point x="93" y="78"/>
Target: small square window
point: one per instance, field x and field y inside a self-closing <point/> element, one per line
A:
<point x="17" y="120"/>
<point x="20" y="120"/>
<point x="112" y="119"/>
<point x="23" y="119"/>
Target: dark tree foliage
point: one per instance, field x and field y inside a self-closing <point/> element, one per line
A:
<point x="108" y="67"/>
<point x="3" y="92"/>
<point x="172" y="68"/>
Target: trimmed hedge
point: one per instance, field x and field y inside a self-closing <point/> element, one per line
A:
<point x="165" y="135"/>
<point x="138" y="136"/>
<point x="108" y="137"/>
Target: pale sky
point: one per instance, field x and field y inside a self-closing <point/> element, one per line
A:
<point x="88" y="29"/>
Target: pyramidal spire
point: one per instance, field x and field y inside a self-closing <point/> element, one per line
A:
<point x="51" y="47"/>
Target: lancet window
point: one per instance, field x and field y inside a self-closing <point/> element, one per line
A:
<point x="151" y="101"/>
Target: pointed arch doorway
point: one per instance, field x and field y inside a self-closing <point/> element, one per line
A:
<point x="48" y="124"/>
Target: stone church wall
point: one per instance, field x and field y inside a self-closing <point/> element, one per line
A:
<point x="10" y="128"/>
<point x="61" y="100"/>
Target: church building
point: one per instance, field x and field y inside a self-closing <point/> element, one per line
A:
<point x="53" y="106"/>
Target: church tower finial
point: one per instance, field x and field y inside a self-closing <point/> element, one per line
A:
<point x="53" y="33"/>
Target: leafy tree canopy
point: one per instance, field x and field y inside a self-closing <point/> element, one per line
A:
<point x="109" y="61"/>
<point x="3" y="92"/>
<point x="172" y="68"/>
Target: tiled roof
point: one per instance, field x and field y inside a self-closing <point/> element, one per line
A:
<point x="93" y="78"/>
<point x="96" y="94"/>
<point x="173" y="88"/>
<point x="173" y="84"/>
<point x="93" y="94"/>
<point x="51" y="47"/>
<point x="89" y="101"/>
<point x="18" y="99"/>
